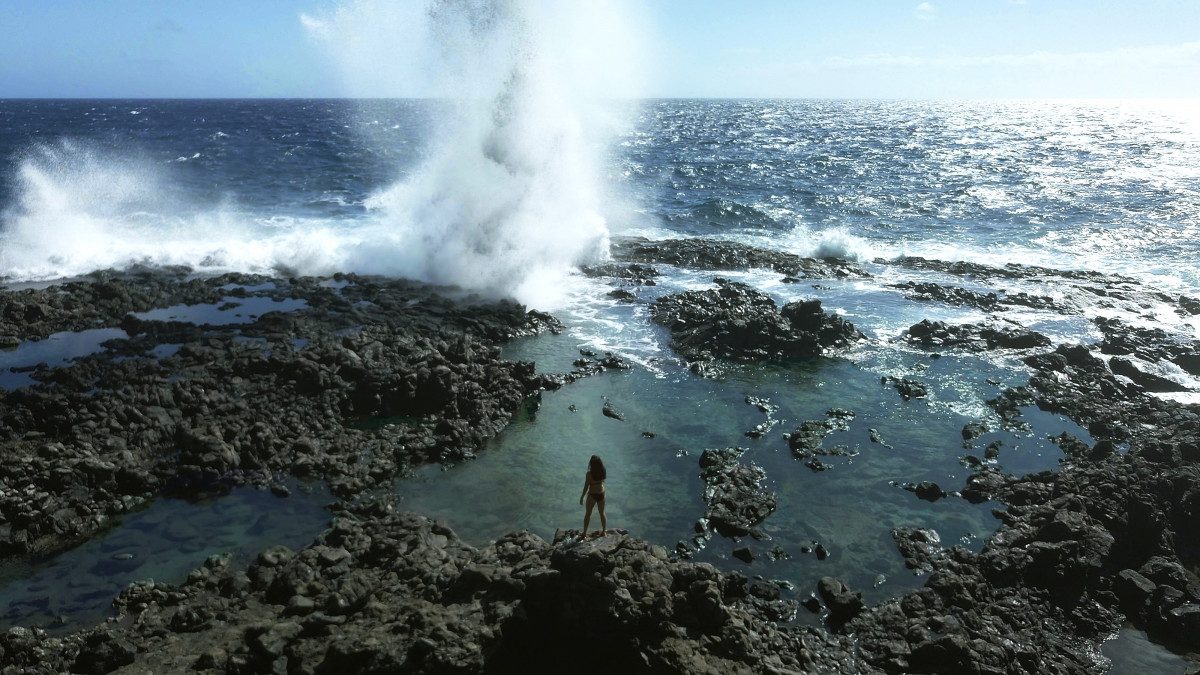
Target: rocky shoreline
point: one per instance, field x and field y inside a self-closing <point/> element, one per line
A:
<point x="1112" y="536"/>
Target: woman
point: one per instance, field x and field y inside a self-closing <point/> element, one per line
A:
<point x="593" y="489"/>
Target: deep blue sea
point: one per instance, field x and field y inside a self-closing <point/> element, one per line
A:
<point x="508" y="204"/>
<point x="1103" y="185"/>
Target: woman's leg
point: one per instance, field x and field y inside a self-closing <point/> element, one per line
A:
<point x="603" y="520"/>
<point x="587" y="517"/>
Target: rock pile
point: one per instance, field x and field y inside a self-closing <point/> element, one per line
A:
<point x="735" y="321"/>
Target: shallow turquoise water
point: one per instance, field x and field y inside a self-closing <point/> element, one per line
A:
<point x="531" y="476"/>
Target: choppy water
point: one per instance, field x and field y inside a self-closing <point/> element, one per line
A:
<point x="1103" y="185"/>
<point x="251" y="184"/>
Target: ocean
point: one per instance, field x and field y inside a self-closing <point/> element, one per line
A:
<point x="502" y="204"/>
<point x="1093" y="185"/>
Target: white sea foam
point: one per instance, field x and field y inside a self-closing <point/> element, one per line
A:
<point x="508" y="198"/>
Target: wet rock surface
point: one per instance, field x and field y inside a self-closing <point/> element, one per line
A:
<point x="736" y="498"/>
<point x="715" y="254"/>
<point x="242" y="403"/>
<point x="938" y="334"/>
<point x="1111" y="536"/>
<point x="638" y="275"/>
<point x="735" y="321"/>
<point x="387" y="592"/>
<point x="1077" y="549"/>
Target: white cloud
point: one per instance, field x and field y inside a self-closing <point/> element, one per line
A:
<point x="1183" y="54"/>
<point x="316" y="27"/>
<point x="925" y="11"/>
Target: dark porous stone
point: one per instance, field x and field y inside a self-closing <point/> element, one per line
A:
<point x="714" y="254"/>
<point x="938" y="334"/>
<point x="737" y="500"/>
<point x="907" y="388"/>
<point x="610" y="411"/>
<point x="735" y="321"/>
<point x="622" y="295"/>
<point x="843" y="604"/>
<point x="744" y="554"/>
<point x="921" y="548"/>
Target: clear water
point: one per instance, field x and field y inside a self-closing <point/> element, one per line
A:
<point x="1132" y="653"/>
<point x="164" y="542"/>
<point x="230" y="311"/>
<point x="55" y="350"/>
<point x="532" y="475"/>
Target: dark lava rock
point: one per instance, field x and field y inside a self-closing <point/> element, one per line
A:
<point x="808" y="437"/>
<point x="843" y="604"/>
<point x="1076" y="552"/>
<point x="105" y="433"/>
<point x="929" y="291"/>
<point x="736" y="321"/>
<point x="979" y="271"/>
<point x="713" y="254"/>
<point x="763" y="404"/>
<point x="610" y="411"/>
<point x="921" y="548"/>
<point x="737" y="500"/>
<point x="744" y="554"/>
<point x="642" y="275"/>
<point x="973" y="430"/>
<point x="977" y="338"/>
<point x="907" y="388"/>
<point x="622" y="295"/>
<point x="876" y="437"/>
<point x="417" y="599"/>
<point x="927" y="490"/>
<point x="1152" y="345"/>
<point x="1152" y="382"/>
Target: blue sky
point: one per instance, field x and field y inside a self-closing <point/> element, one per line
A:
<point x="965" y="48"/>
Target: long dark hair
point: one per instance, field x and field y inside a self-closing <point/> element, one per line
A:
<point x="596" y="468"/>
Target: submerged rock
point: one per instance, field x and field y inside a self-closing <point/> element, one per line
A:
<point x="610" y="411"/>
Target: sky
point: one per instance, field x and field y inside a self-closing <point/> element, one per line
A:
<point x="685" y="48"/>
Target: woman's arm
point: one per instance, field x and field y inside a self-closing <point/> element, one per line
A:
<point x="587" y="480"/>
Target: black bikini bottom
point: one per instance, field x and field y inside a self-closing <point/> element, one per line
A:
<point x="597" y="497"/>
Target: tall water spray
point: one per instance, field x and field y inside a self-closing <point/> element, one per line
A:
<point x="510" y="194"/>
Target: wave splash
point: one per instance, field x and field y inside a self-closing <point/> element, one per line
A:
<point x="78" y="209"/>
<point x="508" y="197"/>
